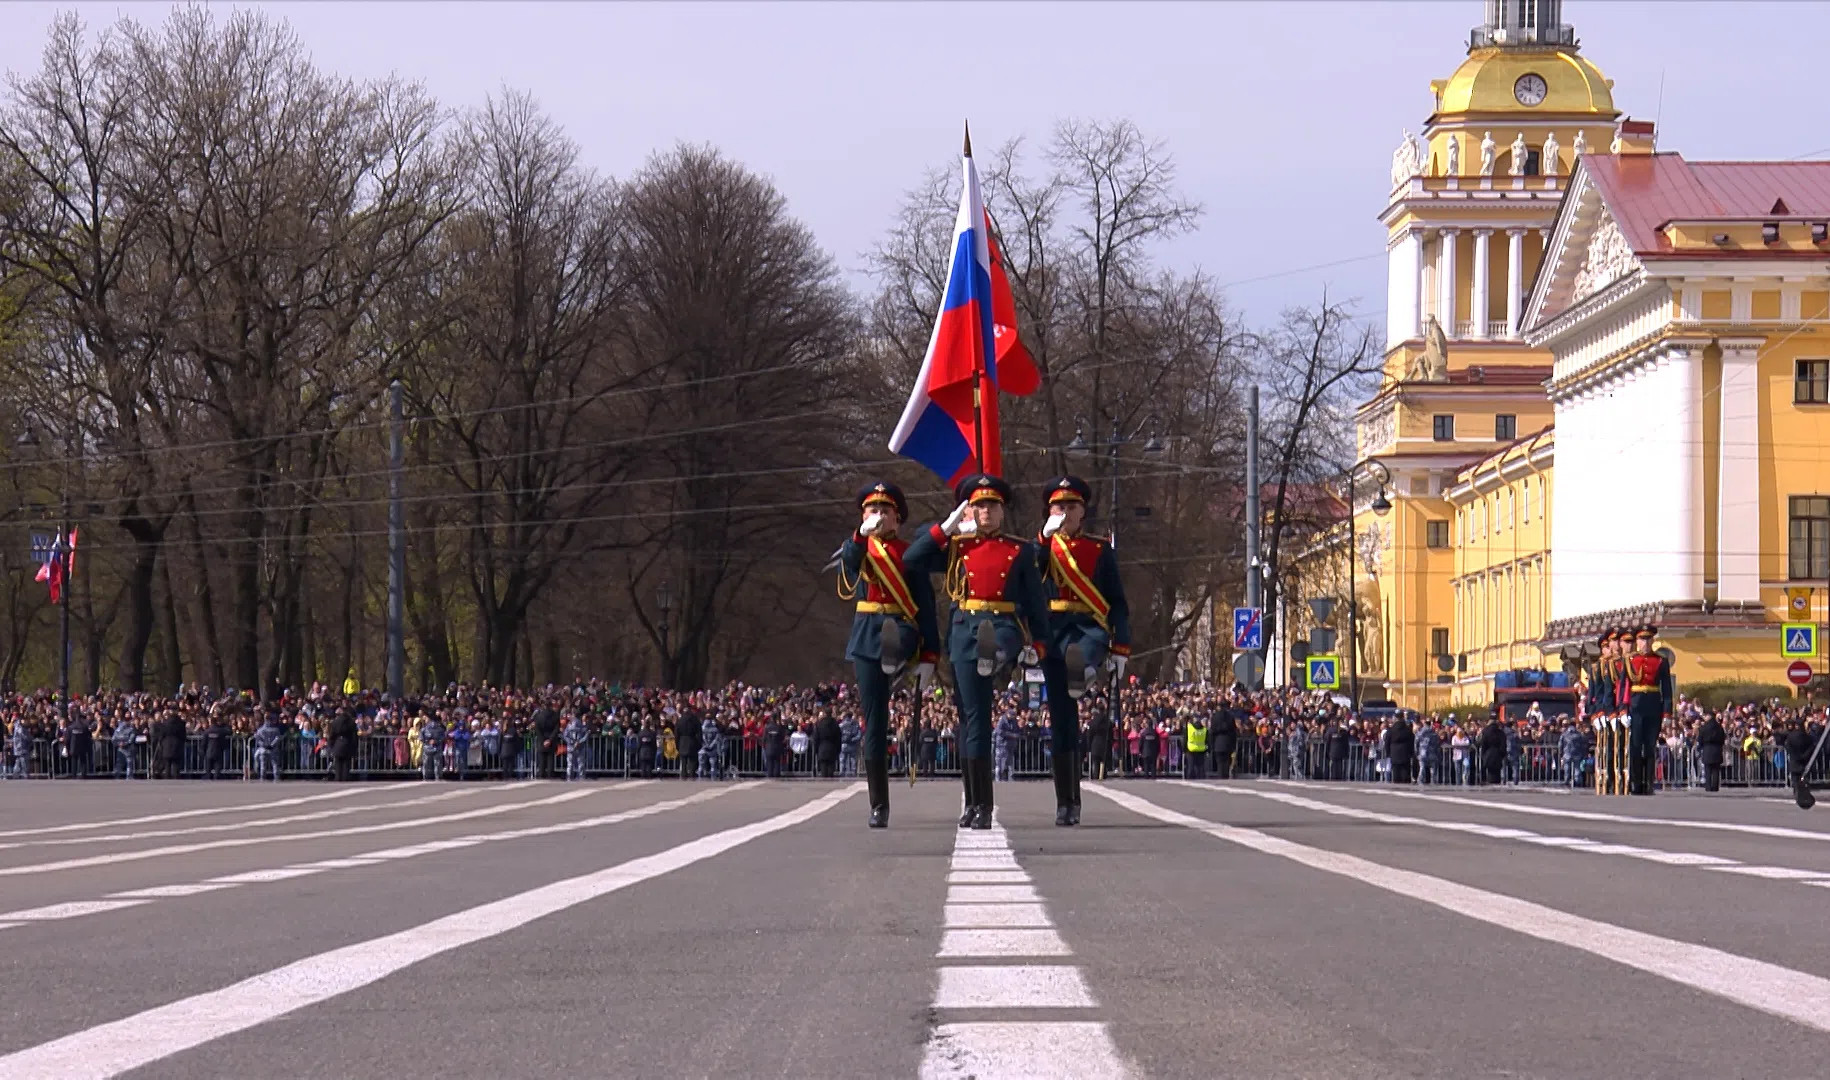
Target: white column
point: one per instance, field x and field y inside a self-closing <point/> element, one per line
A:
<point x="1478" y="299"/>
<point x="1738" y="482"/>
<point x="1417" y="305"/>
<point x="1686" y="441"/>
<point x="1445" y="282"/>
<point x="1515" y="279"/>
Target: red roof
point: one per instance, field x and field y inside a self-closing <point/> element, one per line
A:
<point x="1646" y="192"/>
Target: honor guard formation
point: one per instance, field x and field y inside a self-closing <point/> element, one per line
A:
<point x="1055" y="604"/>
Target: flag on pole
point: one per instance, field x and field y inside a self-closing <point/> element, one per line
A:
<point x="950" y="424"/>
<point x="56" y="569"/>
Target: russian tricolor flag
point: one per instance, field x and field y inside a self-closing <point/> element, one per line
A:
<point x="974" y="342"/>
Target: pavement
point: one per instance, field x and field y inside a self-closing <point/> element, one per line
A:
<point x="666" y="929"/>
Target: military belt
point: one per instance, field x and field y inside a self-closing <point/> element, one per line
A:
<point x="1073" y="606"/>
<point x="873" y="607"/>
<point x="990" y="607"/>
<point x="1645" y="689"/>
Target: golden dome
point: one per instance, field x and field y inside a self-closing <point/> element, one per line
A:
<point x="1488" y="82"/>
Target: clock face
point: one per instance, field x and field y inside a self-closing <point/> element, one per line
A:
<point x="1529" y="89"/>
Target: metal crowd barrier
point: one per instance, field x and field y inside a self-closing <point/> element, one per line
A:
<point x="1027" y="756"/>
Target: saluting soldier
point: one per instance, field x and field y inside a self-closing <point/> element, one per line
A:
<point x="1000" y="618"/>
<point x="1649" y="683"/>
<point x="1089" y="624"/>
<point x="894" y="624"/>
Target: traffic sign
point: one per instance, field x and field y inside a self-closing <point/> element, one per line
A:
<point x="1798" y="600"/>
<point x="1798" y="639"/>
<point x="1248" y="670"/>
<point x="1798" y="673"/>
<point x="42" y="543"/>
<point x="1324" y="672"/>
<point x="1248" y="628"/>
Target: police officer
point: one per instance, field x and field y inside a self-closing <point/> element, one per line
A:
<point x="1000" y="618"/>
<point x="1089" y="622"/>
<point x="893" y="627"/>
<point x="1649" y="682"/>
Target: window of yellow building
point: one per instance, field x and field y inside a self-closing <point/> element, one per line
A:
<point x="1439" y="641"/>
<point x="1436" y="534"/>
<point x="1505" y="428"/>
<point x="1442" y="428"/>
<point x="1809" y="548"/>
<point x="1812" y="385"/>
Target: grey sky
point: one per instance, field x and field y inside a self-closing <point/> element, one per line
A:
<point x="1282" y="116"/>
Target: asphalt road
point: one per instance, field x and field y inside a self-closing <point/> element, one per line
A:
<point x="1250" y="929"/>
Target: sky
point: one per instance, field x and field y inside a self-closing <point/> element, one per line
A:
<point x="1281" y="116"/>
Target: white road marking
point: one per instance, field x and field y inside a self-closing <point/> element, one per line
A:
<point x="989" y="915"/>
<point x="372" y="858"/>
<point x="1779" y="831"/>
<point x="237" y="826"/>
<point x="253" y="808"/>
<point x="987" y="877"/>
<point x="1769" y="988"/>
<point x="162" y="892"/>
<point x="993" y="894"/>
<point x="1035" y="1051"/>
<point x="1030" y="986"/>
<point x="1004" y="942"/>
<point x="132" y="1042"/>
<point x="247" y="841"/>
<point x="1567" y="843"/>
<point x="994" y="912"/>
<point x="70" y="910"/>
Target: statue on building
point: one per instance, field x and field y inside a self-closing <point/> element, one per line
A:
<point x="1433" y="364"/>
<point x="1577" y="149"/>
<point x="1487" y="154"/>
<point x="1517" y="167"/>
<point x="1405" y="160"/>
<point x="1454" y="168"/>
<point x="1370" y="648"/>
<point x="1550" y="154"/>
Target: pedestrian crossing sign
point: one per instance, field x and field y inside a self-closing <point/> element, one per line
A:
<point x="1324" y="672"/>
<point x="1799" y="640"/>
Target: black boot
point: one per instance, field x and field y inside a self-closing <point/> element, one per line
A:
<point x="969" y="778"/>
<point x="1064" y="795"/>
<point x="877" y="779"/>
<point x="1074" y="790"/>
<point x="982" y="819"/>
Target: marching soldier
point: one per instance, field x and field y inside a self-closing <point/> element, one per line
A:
<point x="1598" y="707"/>
<point x="1090" y="627"/>
<point x="1649" y="683"/>
<point x="894" y="625"/>
<point x="1000" y="617"/>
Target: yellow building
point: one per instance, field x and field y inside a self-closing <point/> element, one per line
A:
<point x="1501" y="535"/>
<point x="1472" y="206"/>
<point x="1687" y="309"/>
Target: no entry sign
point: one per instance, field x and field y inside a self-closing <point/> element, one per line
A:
<point x="1798" y="672"/>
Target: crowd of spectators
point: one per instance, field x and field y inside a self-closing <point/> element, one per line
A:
<point x="594" y="728"/>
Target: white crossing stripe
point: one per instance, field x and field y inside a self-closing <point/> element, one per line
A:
<point x="987" y="877"/>
<point x="1023" y="1051"/>
<point x="161" y="892"/>
<point x="1783" y="992"/>
<point x="70" y="910"/>
<point x="1001" y="942"/>
<point x="969" y="915"/>
<point x="252" y="808"/>
<point x="257" y="877"/>
<point x="993" y="894"/>
<point x="1031" y="986"/>
<point x="133" y="1042"/>
<point x="1002" y="860"/>
<point x="1779" y="831"/>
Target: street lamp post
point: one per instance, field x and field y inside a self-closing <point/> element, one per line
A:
<point x="664" y="603"/>
<point x="1380" y="506"/>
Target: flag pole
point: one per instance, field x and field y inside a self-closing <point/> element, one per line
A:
<point x="978" y="369"/>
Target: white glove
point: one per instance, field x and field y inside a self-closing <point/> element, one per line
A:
<point x="872" y="522"/>
<point x="957" y="521"/>
<point x="1055" y="521"/>
<point x="924" y="677"/>
<point x="1118" y="665"/>
<point x="1028" y="657"/>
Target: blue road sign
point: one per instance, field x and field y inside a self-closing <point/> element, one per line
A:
<point x="42" y="543"/>
<point x="1324" y="672"/>
<point x="1248" y="628"/>
<point x="1800" y="639"/>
